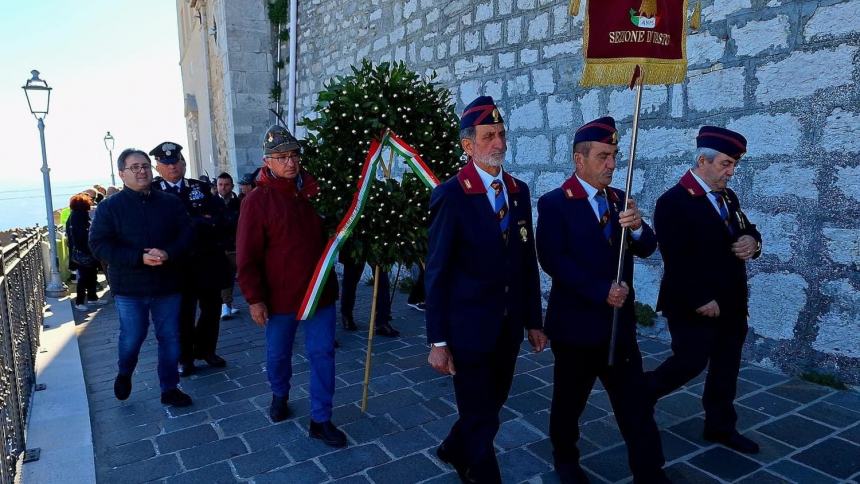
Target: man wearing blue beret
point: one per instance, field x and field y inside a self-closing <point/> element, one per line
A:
<point x="482" y="288"/>
<point x="705" y="240"/>
<point x="578" y="235"/>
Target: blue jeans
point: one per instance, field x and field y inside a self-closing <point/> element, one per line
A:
<point x="319" y="345"/>
<point x="134" y="313"/>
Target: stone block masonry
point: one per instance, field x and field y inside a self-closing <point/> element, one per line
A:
<point x="783" y="73"/>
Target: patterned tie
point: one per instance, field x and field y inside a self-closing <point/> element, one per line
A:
<point x="501" y="205"/>
<point x="603" y="209"/>
<point x="724" y="211"/>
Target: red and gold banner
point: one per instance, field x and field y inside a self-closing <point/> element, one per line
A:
<point x="618" y="35"/>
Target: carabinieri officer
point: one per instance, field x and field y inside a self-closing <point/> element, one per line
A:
<point x="482" y="289"/>
<point x="205" y="273"/>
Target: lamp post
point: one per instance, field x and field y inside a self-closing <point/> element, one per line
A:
<point x="39" y="99"/>
<point x="110" y="143"/>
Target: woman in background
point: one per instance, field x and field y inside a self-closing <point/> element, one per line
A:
<point x="78" y="231"/>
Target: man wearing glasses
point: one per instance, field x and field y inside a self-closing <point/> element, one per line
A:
<point x="278" y="242"/>
<point x="142" y="235"/>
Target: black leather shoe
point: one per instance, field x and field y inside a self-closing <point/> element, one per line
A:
<point x="214" y="361"/>
<point x="122" y="387"/>
<point x="571" y="473"/>
<point x="175" y="398"/>
<point x="387" y="330"/>
<point x="187" y="369"/>
<point x="658" y="477"/>
<point x="348" y="322"/>
<point x="734" y="441"/>
<point x="328" y="433"/>
<point x="444" y="453"/>
<point x="279" y="410"/>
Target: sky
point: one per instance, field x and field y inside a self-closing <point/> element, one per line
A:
<point x="113" y="66"/>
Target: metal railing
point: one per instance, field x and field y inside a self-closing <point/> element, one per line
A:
<point x="22" y="298"/>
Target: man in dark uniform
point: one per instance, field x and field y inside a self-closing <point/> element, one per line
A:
<point x="705" y="240"/>
<point x="578" y="236"/>
<point x="482" y="289"/>
<point x="231" y="203"/>
<point x="205" y="273"/>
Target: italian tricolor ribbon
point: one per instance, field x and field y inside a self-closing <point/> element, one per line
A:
<point x="359" y="200"/>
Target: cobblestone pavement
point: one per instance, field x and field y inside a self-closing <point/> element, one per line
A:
<point x="808" y="433"/>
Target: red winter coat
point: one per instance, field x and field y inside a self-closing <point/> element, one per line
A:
<point x="278" y="242"/>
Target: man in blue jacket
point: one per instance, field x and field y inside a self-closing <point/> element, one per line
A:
<point x="482" y="289"/>
<point x="578" y="236"/>
<point x="143" y="235"/>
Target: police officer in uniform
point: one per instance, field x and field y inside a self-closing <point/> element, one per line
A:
<point x="205" y="273"/>
<point x="578" y="235"/>
<point x="482" y="289"/>
<point x="706" y="240"/>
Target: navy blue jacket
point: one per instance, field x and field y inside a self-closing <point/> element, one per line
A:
<point x="573" y="250"/>
<point x="698" y="263"/>
<point x="127" y="223"/>
<point x="478" y="284"/>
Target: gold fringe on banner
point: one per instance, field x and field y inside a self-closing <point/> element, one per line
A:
<point x="619" y="72"/>
<point x="648" y="8"/>
<point x="573" y="8"/>
<point x="696" y="18"/>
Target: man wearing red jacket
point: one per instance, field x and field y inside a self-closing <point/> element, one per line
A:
<point x="279" y="240"/>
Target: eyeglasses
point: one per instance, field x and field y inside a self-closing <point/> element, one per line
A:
<point x="139" y="168"/>
<point x="294" y="158"/>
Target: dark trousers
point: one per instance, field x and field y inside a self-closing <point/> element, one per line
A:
<point x="86" y="284"/>
<point x="351" y="277"/>
<point x="701" y="342"/>
<point x="576" y="368"/>
<point x="198" y="336"/>
<point x="481" y="387"/>
<point x="416" y="295"/>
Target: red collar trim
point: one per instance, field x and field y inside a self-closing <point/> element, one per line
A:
<point x="574" y="190"/>
<point x="472" y="184"/>
<point x="689" y="183"/>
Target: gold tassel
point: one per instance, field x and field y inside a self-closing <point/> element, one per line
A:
<point x="618" y="74"/>
<point x="573" y="8"/>
<point x="648" y="8"/>
<point x="696" y="18"/>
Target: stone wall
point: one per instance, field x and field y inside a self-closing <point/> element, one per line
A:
<point x="784" y="73"/>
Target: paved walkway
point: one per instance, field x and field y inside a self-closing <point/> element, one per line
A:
<point x="808" y="433"/>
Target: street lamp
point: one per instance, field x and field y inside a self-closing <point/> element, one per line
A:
<point x="110" y="143"/>
<point x="39" y="99"/>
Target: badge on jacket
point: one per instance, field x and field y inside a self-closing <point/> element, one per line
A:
<point x="524" y="234"/>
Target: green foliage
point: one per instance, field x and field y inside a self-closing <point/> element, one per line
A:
<point x="279" y="12"/>
<point x="284" y="35"/>
<point x="644" y="314"/>
<point x="825" y="379"/>
<point x="275" y="93"/>
<point x="351" y="110"/>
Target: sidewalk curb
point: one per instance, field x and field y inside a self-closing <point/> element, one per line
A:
<point x="59" y="422"/>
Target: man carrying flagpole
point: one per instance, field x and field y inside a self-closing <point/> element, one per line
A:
<point x="578" y="232"/>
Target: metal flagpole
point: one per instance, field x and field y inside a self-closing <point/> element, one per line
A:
<point x="623" y="245"/>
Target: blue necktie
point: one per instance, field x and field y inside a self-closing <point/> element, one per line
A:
<point x="724" y="210"/>
<point x="603" y="209"/>
<point x="501" y="205"/>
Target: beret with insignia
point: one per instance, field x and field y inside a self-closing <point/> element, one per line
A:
<point x="278" y="139"/>
<point x="482" y="110"/>
<point x="601" y="130"/>
<point x="723" y="140"/>
<point x="247" y="179"/>
<point x="167" y="152"/>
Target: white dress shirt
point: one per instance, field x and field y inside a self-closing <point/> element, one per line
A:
<point x="711" y="196"/>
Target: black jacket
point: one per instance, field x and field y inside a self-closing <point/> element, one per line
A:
<point x="696" y="246"/>
<point x="129" y="222"/>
